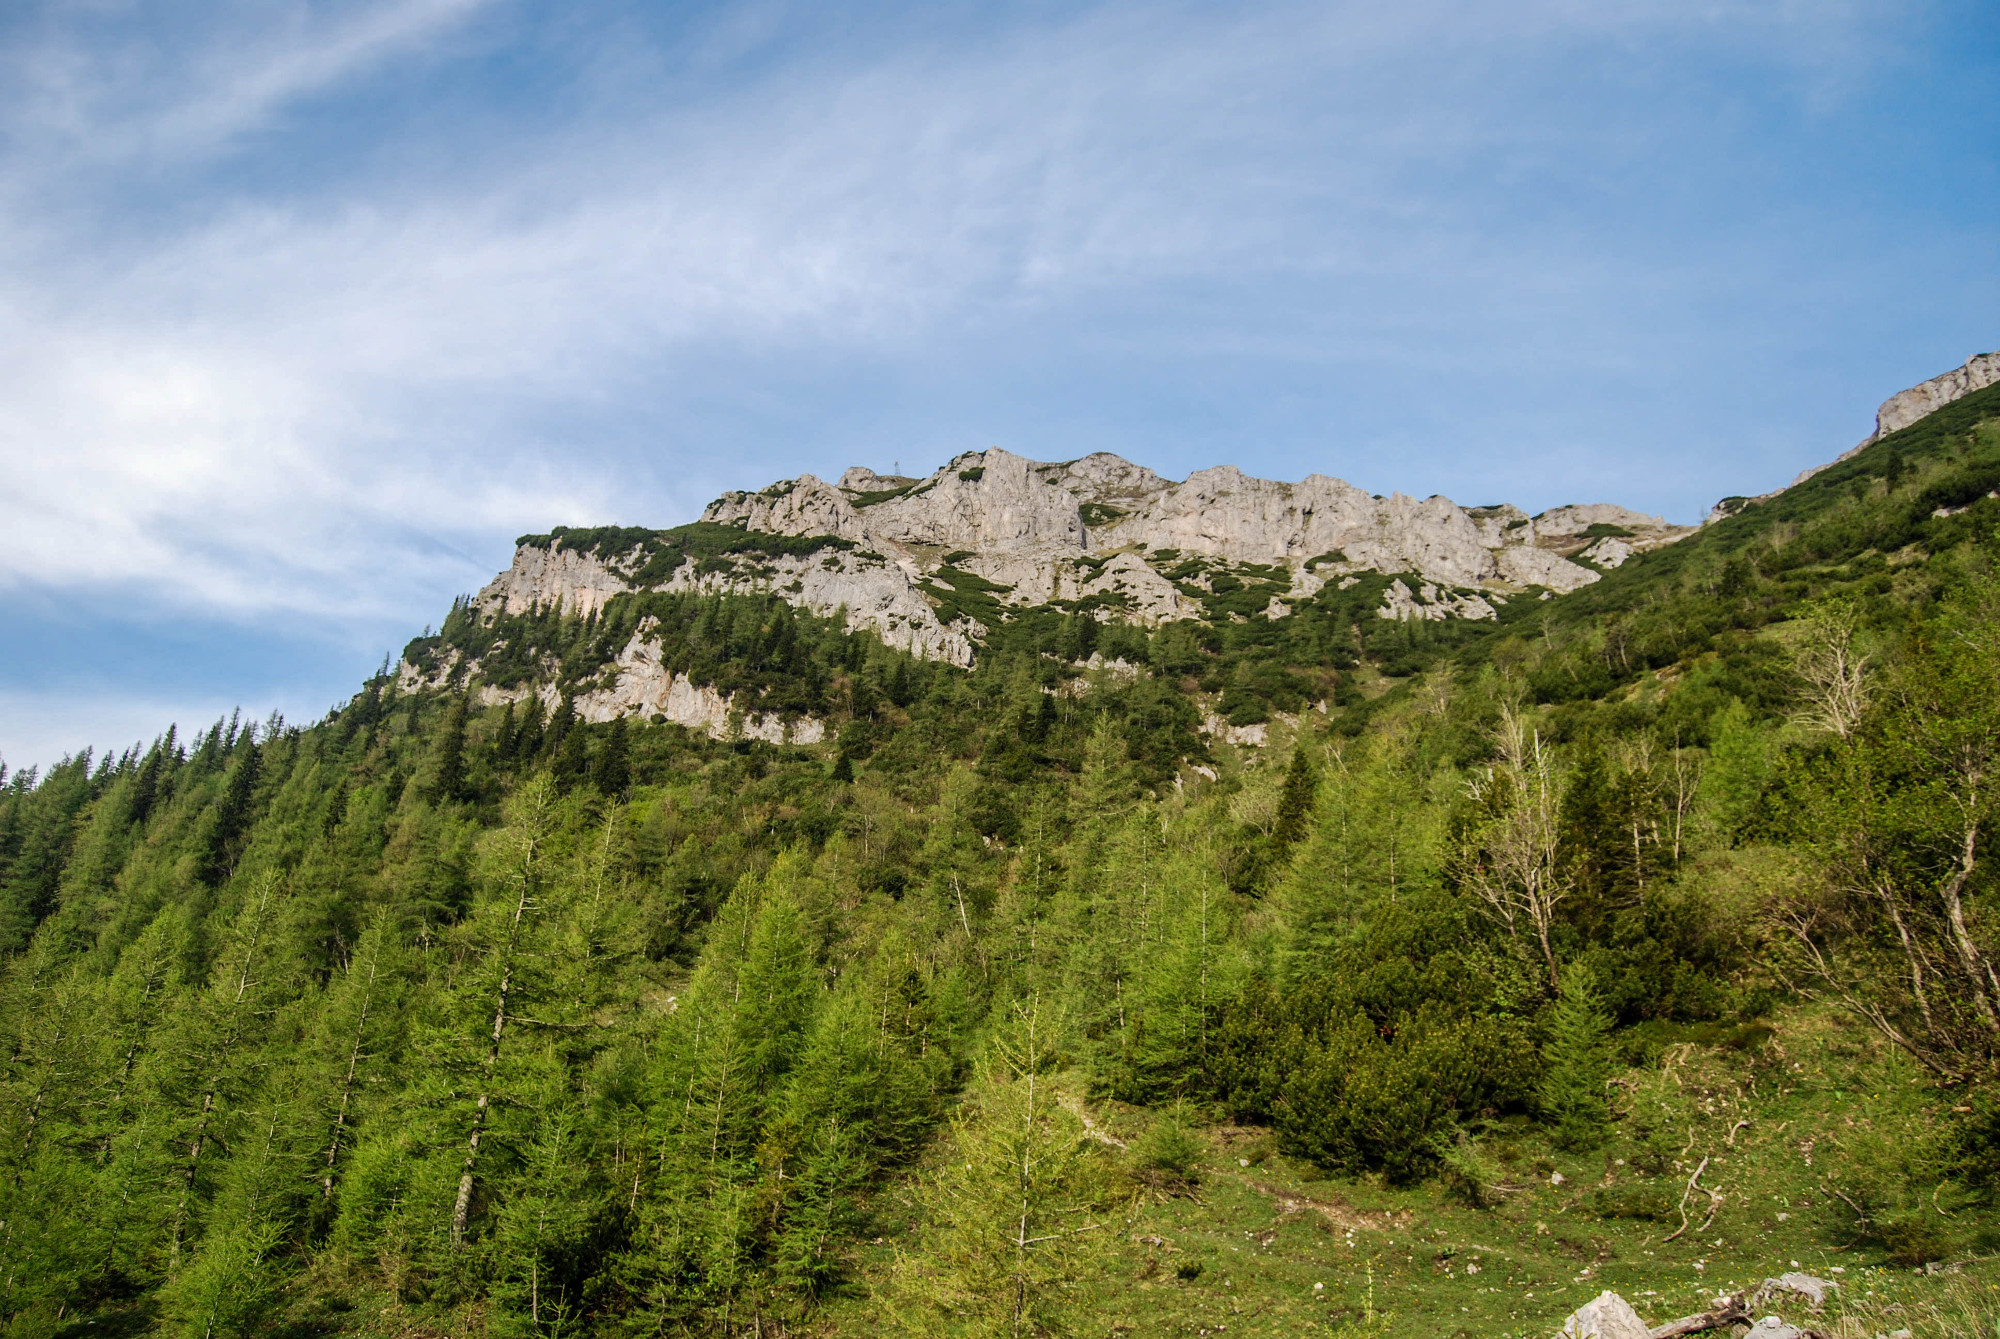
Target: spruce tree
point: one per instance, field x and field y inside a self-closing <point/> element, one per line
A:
<point x="494" y="989"/>
<point x="543" y="1226"/>
<point x="777" y="987"/>
<point x="146" y="785"/>
<point x="1373" y="839"/>
<point x="504" y="738"/>
<point x="223" y="824"/>
<point x="227" y="1289"/>
<point x="1577" y="1062"/>
<point x="352" y="1043"/>
<point x="611" y="770"/>
<point x="1296" y="801"/>
<point x="566" y="747"/>
<point x="532" y="735"/>
<point x="207" y="1061"/>
<point x="448" y="776"/>
<point x="1183" y="975"/>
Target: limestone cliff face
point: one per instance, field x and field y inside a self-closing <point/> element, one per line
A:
<point x="918" y="561"/>
<point x="638" y="684"/>
<point x="875" y="593"/>
<point x="801" y="506"/>
<point x="566" y="579"/>
<point x="1100" y="530"/>
<point x="1906" y="407"/>
<point x="1032" y="525"/>
<point x="646" y="687"/>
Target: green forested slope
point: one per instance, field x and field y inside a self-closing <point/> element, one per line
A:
<point x="432" y="1018"/>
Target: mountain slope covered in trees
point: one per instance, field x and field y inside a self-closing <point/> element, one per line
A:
<point x="435" y="1017"/>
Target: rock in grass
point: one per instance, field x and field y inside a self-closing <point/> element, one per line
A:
<point x="1814" y="1290"/>
<point x="1606" y="1316"/>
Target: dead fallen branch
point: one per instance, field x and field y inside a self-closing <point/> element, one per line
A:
<point x="1684" y="1203"/>
<point x="1730" y="1310"/>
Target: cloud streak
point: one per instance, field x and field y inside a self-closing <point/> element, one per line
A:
<point x="244" y="385"/>
<point x="106" y="86"/>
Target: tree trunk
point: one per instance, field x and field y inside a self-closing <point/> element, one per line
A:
<point x="347" y="1085"/>
<point x="461" y="1209"/>
<point x="1954" y="906"/>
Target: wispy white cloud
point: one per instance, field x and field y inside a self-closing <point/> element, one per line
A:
<point x="106" y="84"/>
<point x="272" y="396"/>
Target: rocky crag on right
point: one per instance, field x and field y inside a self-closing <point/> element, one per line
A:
<point x="1899" y="411"/>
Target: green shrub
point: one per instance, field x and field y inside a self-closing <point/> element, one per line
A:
<point x="1650" y="1203"/>
<point x="1168" y="1155"/>
<point x="1891" y="1181"/>
<point x="1912" y="1240"/>
<point x="1096" y="514"/>
<point x="1468" y="1173"/>
<point x="1363" y="1100"/>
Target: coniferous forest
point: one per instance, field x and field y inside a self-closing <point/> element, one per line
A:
<point x="1023" y="1005"/>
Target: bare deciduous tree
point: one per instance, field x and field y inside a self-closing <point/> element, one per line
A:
<point x="1889" y="928"/>
<point x="1510" y="861"/>
<point x="1834" y="672"/>
<point x="1687" y="785"/>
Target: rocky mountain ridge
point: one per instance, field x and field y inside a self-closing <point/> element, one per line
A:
<point x="933" y="565"/>
<point x="928" y="563"/>
<point x="1103" y="535"/>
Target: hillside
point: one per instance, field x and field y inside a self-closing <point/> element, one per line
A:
<point x="1054" y="899"/>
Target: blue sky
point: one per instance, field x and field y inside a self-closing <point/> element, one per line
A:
<point x="306" y="310"/>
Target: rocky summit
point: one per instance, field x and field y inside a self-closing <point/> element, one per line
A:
<point x="920" y="560"/>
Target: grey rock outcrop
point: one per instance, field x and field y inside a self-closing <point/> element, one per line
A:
<point x="1430" y="604"/>
<point x="646" y="687"/>
<point x="801" y="506"/>
<point x="565" y="579"/>
<point x="639" y="684"/>
<point x="1903" y="408"/>
<point x="1609" y="1316"/>
<point x="1813" y="1289"/>
<point x="1100" y="530"/>
<point x="870" y="591"/>
<point x="1606" y="1316"/>
<point x="1031" y="526"/>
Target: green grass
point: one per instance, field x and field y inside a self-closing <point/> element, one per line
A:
<point x="1269" y="1245"/>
